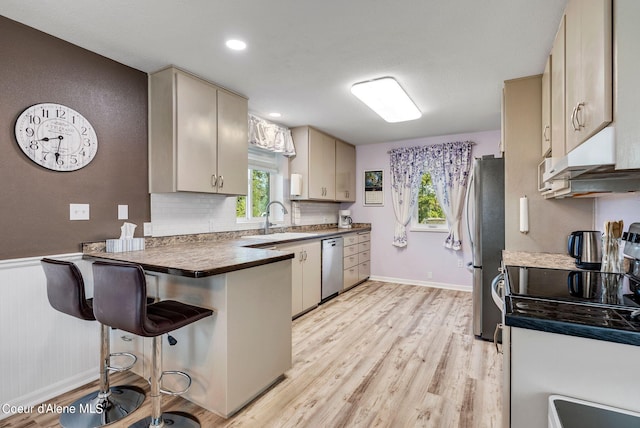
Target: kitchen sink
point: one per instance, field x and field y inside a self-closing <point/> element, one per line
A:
<point x="281" y="236"/>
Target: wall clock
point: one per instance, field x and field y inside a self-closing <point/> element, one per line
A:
<point x="56" y="137"/>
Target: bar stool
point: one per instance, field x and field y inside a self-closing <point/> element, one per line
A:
<point x="65" y="290"/>
<point x="120" y="291"/>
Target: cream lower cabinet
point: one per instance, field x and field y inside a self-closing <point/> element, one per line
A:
<point x="539" y="364"/>
<point x="305" y="275"/>
<point x="357" y="256"/>
<point x="197" y="136"/>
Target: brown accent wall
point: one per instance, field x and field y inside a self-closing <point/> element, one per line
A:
<point x="34" y="202"/>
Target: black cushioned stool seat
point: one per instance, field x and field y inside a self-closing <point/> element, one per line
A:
<point x="120" y="291"/>
<point x="66" y="293"/>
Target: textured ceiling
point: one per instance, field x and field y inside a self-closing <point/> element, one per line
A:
<point x="451" y="56"/>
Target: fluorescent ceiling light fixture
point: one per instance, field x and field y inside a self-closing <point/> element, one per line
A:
<point x="275" y="114"/>
<point x="387" y="98"/>
<point x="236" y="45"/>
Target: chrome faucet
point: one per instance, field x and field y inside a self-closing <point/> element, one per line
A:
<point x="266" y="215"/>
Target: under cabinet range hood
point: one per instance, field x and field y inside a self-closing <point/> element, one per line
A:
<point x="589" y="170"/>
<point x="597" y="153"/>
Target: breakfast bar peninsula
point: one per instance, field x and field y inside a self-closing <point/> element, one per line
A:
<point x="245" y="347"/>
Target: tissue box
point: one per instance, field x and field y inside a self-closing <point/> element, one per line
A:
<point x="121" y="245"/>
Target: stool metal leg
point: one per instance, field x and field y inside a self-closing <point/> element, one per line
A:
<point x="157" y="418"/>
<point x="109" y="404"/>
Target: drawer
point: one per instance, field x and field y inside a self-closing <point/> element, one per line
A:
<point x="364" y="246"/>
<point x="363" y="237"/>
<point x="364" y="256"/>
<point x="364" y="271"/>
<point x="351" y="276"/>
<point x="351" y="261"/>
<point x="350" y="250"/>
<point x="351" y="239"/>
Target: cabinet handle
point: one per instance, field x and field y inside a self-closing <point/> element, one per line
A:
<point x="579" y="110"/>
<point x="305" y="255"/>
<point x="214" y="180"/>
<point x="301" y="256"/>
<point x="221" y="181"/>
<point x="573" y="119"/>
<point x="544" y="133"/>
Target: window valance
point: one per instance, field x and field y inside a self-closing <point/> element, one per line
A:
<point x="270" y="136"/>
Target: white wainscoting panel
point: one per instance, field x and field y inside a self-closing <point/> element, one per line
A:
<point x="43" y="352"/>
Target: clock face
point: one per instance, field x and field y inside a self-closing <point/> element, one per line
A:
<point x="56" y="137"/>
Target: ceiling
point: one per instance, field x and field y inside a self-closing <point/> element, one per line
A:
<point x="451" y="56"/>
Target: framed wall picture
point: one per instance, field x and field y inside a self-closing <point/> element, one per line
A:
<point x="373" y="188"/>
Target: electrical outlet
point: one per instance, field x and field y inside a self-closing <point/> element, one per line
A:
<point x="460" y="263"/>
<point x="78" y="211"/>
<point x="148" y="231"/>
<point x="429" y="275"/>
<point x="123" y="212"/>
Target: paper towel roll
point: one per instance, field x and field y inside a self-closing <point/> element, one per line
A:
<point x="296" y="184"/>
<point x="524" y="215"/>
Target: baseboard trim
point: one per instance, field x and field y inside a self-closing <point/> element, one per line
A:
<point x="446" y="286"/>
<point x="40" y="396"/>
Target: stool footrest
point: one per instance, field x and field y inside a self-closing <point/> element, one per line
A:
<point x="173" y="372"/>
<point x="124" y="368"/>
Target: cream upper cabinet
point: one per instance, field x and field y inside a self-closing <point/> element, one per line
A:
<point x="627" y="78"/>
<point x="546" y="108"/>
<point x="322" y="160"/>
<point x="345" y="172"/>
<point x="322" y="166"/>
<point x="589" y="86"/>
<point x="232" y="144"/>
<point x="197" y="136"/>
<point x="557" y="94"/>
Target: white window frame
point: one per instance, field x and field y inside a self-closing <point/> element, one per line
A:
<point x="420" y="227"/>
<point x="264" y="160"/>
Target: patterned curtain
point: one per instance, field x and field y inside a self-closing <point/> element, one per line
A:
<point x="270" y="136"/>
<point x="449" y="166"/>
<point x="407" y="166"/>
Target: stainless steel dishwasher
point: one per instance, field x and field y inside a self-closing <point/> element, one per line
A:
<point x="332" y="267"/>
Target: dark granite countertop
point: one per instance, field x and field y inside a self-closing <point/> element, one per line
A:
<point x="573" y="319"/>
<point x="204" y="255"/>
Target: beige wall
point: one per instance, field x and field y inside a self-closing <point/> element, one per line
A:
<point x="34" y="209"/>
<point x="550" y="221"/>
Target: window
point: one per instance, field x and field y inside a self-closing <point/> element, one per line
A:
<point x="428" y="214"/>
<point x="264" y="185"/>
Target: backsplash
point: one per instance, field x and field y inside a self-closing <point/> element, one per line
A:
<point x="189" y="213"/>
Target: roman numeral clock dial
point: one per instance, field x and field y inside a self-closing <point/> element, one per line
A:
<point x="56" y="137"/>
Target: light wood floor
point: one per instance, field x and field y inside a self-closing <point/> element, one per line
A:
<point x="381" y="354"/>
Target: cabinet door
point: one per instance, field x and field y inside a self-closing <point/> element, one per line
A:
<point x="322" y="166"/>
<point x="345" y="172"/>
<point x="558" y="110"/>
<point x="588" y="69"/>
<point x="311" y="275"/>
<point x="297" y="278"/>
<point x="546" y="108"/>
<point x="195" y="135"/>
<point x="232" y="144"/>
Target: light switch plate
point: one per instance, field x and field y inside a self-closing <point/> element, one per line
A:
<point x="123" y="212"/>
<point x="78" y="211"/>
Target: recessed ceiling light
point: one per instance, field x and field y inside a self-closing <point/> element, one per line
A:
<point x="275" y="114"/>
<point x="236" y="45"/>
<point x="387" y="98"/>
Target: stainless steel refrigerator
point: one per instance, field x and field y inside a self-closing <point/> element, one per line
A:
<point x="485" y="219"/>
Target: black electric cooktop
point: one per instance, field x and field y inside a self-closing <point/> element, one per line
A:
<point x="590" y="287"/>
